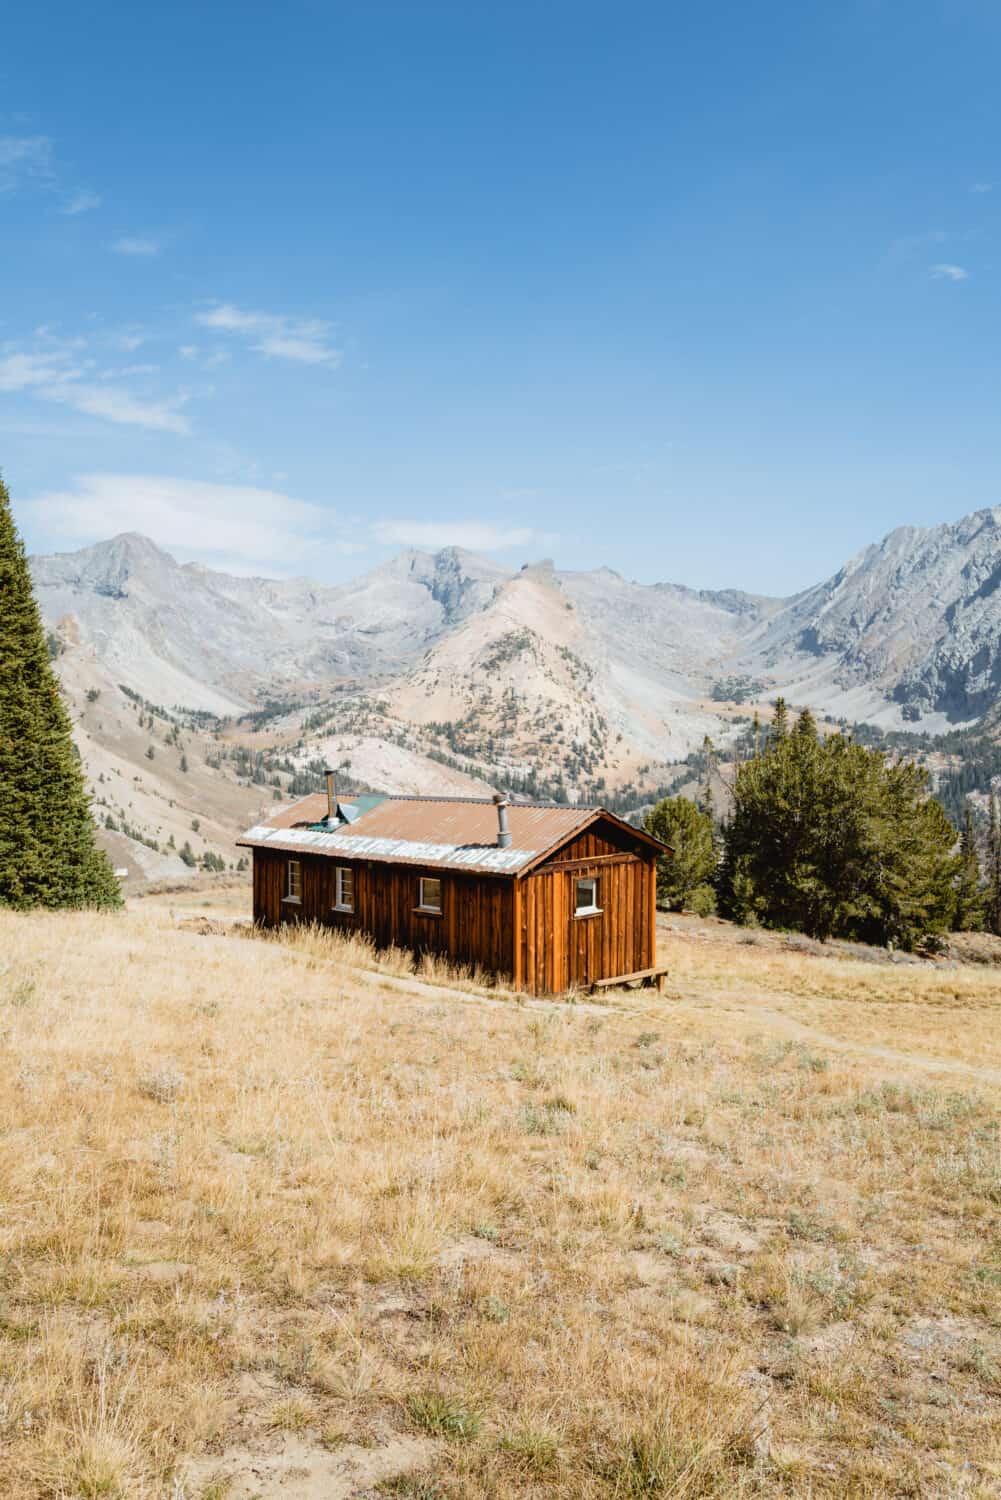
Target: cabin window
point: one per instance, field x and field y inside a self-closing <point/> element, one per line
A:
<point x="430" y="894"/>
<point x="587" y="897"/>
<point x="344" y="888"/>
<point x="293" y="887"/>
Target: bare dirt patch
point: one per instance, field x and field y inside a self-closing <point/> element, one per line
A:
<point x="296" y="1468"/>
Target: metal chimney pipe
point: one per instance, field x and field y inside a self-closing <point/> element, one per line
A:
<point x="503" y="832"/>
<point x="331" y="796"/>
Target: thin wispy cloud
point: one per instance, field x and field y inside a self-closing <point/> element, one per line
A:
<point x="23" y="157"/>
<point x="81" y="202"/>
<point x="129" y="372"/>
<point x="31" y="159"/>
<point x="49" y="335"/>
<point x="136" y="244"/>
<point x="981" y="187"/>
<point x="128" y="339"/>
<point x="908" y="252"/>
<point x="474" y="536"/>
<point x="57" y="371"/>
<point x="208" y="360"/>
<point x="303" y="340"/>
<point x="27" y="371"/>
<point x="242" y="528"/>
<point x="115" y="404"/>
<point x="944" y="271"/>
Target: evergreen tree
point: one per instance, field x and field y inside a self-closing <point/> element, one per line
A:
<point x="806" y="725"/>
<point x="48" y="856"/>
<point x="827" y="837"/>
<point x="780" y="721"/>
<point x="993" y="898"/>
<point x="684" y="878"/>
<point x="969" y="915"/>
<point x="706" y="803"/>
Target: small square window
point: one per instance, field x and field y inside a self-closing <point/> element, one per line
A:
<point x="293" y="889"/>
<point x="587" y="897"/>
<point x="430" y="894"/>
<point x="344" y="888"/>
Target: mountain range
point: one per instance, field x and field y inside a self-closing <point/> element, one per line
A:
<point x="447" y="670"/>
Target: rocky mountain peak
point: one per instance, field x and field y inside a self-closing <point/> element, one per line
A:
<point x="106" y="567"/>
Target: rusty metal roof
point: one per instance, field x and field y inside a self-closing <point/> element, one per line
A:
<point x="449" y="832"/>
<point x="307" y="810"/>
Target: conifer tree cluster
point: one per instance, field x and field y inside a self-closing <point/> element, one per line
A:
<point x="48" y="856"/>
<point x="830" y="838"/>
<point x="833" y="839"/>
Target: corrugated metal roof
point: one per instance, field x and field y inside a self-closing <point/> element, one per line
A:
<point x="392" y="851"/>
<point x="464" y="821"/>
<point x="307" y="810"/>
<point x="451" y="832"/>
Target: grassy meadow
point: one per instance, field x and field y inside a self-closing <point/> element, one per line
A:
<point x="281" y="1219"/>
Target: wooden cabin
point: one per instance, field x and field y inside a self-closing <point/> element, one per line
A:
<point x="552" y="897"/>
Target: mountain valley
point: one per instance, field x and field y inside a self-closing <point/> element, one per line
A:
<point x="199" y="696"/>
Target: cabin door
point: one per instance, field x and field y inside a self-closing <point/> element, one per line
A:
<point x="586" y="919"/>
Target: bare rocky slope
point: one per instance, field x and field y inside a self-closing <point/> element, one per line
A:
<point x="446" y="671"/>
<point x="907" y="631"/>
<point x="186" y="635"/>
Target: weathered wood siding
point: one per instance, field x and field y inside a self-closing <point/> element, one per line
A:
<point x="559" y="950"/>
<point x="601" y="840"/>
<point x="475" y="925"/>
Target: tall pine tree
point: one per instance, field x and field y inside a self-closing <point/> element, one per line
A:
<point x="684" y="877"/>
<point x="48" y="856"/>
<point x="969" y="915"/>
<point x="993" y="894"/>
<point x="780" y="721"/>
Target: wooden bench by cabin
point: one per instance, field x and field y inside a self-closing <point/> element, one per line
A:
<point x="645" y="978"/>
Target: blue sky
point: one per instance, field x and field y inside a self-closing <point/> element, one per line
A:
<point x="706" y="294"/>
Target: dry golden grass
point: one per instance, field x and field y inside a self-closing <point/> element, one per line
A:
<point x="281" y="1219"/>
<point x="948" y="1010"/>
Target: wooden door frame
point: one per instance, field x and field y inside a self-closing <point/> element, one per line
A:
<point x="581" y="870"/>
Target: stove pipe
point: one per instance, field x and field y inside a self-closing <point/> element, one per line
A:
<point x="503" y="832"/>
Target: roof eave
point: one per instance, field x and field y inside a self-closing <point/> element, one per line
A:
<point x="298" y="851"/>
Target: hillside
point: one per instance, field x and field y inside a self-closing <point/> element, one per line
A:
<point x="283" y="1219"/>
<point x="158" y="780"/>
<point x="512" y="687"/>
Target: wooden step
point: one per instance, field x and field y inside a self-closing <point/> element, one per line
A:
<point x="644" y="977"/>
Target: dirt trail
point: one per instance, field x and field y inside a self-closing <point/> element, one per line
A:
<point x="778" y="1020"/>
